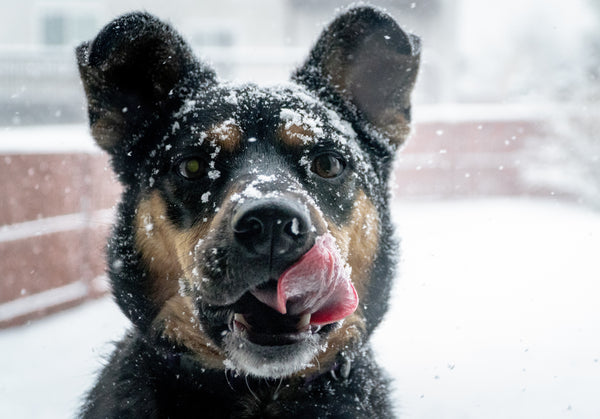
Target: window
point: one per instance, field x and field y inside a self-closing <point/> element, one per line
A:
<point x="66" y="26"/>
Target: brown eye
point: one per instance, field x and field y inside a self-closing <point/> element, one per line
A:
<point x="328" y="165"/>
<point x="192" y="168"/>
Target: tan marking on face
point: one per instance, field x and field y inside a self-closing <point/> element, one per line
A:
<point x="166" y="251"/>
<point x="168" y="255"/>
<point x="226" y="135"/>
<point x="295" y="135"/>
<point x="358" y="240"/>
<point x="178" y="323"/>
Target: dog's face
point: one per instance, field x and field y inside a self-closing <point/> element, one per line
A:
<point x="254" y="230"/>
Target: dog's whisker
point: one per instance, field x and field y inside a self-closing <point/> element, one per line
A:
<point x="276" y="392"/>
<point x="227" y="371"/>
<point x="316" y="358"/>
<point x="249" y="389"/>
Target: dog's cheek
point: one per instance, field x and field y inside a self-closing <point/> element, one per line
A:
<point x="154" y="242"/>
<point x="168" y="254"/>
<point x="358" y="240"/>
<point x="178" y="323"/>
<point x="166" y="251"/>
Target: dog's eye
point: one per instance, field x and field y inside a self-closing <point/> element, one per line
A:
<point x="328" y="165"/>
<point x="192" y="168"/>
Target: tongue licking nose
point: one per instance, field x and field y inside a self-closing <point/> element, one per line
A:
<point x="318" y="284"/>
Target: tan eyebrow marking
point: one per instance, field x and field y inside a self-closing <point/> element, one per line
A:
<point x="295" y="135"/>
<point x="227" y="135"/>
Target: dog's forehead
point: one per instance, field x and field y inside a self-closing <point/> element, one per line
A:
<point x="290" y="111"/>
<point x="269" y="100"/>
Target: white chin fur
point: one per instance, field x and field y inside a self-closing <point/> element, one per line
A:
<point x="269" y="361"/>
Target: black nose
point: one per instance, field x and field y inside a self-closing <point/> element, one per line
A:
<point x="274" y="228"/>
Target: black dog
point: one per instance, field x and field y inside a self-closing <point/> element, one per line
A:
<point x="253" y="250"/>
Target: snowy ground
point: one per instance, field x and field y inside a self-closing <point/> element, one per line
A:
<point x="496" y="314"/>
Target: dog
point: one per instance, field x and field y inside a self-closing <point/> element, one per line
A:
<point x="253" y="250"/>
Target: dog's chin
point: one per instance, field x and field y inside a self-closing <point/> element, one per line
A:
<point x="270" y="361"/>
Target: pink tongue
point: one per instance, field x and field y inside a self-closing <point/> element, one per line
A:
<point x="319" y="283"/>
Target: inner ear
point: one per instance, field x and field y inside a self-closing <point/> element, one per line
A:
<point x="364" y="64"/>
<point x="131" y="72"/>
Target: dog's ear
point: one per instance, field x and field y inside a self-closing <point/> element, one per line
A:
<point x="135" y="69"/>
<point x="366" y="66"/>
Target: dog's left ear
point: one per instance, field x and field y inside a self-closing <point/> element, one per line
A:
<point x="366" y="66"/>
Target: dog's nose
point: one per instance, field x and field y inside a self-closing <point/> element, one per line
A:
<point x="275" y="228"/>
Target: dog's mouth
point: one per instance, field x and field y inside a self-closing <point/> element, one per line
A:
<point x="313" y="292"/>
<point x="276" y="328"/>
<point x="262" y="325"/>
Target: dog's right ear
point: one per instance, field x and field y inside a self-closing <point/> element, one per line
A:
<point x="137" y="68"/>
<point x="366" y="66"/>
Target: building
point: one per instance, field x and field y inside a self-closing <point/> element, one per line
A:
<point x="258" y="41"/>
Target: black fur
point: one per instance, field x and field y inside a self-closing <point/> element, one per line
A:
<point x="151" y="104"/>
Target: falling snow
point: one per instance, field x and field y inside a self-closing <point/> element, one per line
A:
<point x="459" y="311"/>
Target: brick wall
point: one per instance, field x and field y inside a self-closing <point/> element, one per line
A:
<point x="469" y="158"/>
<point x="55" y="213"/>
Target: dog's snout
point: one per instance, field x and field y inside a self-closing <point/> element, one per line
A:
<point x="274" y="228"/>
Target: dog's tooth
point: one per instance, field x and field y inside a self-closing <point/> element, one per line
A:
<point x="241" y="319"/>
<point x="304" y="321"/>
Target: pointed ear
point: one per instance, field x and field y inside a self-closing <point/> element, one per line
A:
<point x="366" y="66"/>
<point x="135" y="69"/>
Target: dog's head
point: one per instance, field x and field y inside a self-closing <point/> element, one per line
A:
<point x="254" y="232"/>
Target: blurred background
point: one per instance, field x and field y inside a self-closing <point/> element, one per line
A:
<point x="506" y="121"/>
